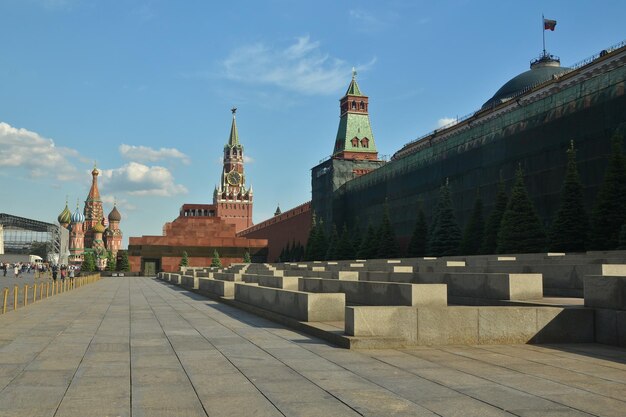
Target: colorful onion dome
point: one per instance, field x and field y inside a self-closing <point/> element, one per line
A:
<point x="114" y="215"/>
<point x="77" y="216"/>
<point x="66" y="215"/>
<point x="98" y="228"/>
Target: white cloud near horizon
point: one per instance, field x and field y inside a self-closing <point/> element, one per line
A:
<point x="37" y="155"/>
<point x="301" y="66"/>
<point x="147" y="154"/>
<point x="444" y="121"/>
<point x="141" y="180"/>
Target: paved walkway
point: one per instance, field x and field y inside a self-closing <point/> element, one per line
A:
<point x="137" y="347"/>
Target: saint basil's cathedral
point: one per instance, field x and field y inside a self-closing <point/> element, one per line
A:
<point x="90" y="230"/>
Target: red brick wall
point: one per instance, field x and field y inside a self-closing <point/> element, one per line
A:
<point x="281" y="230"/>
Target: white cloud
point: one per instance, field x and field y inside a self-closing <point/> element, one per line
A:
<point x="38" y="156"/>
<point x="147" y="154"/>
<point x="121" y="203"/>
<point x="138" y="179"/>
<point x="301" y="67"/>
<point x="444" y="121"/>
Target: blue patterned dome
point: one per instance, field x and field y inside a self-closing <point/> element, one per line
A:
<point x="78" y="217"/>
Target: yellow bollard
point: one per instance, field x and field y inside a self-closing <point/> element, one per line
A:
<point x="16" y="291"/>
<point x="41" y="291"/>
<point x="25" y="295"/>
<point x="47" y="289"/>
<point x="34" y="293"/>
<point x="5" y="297"/>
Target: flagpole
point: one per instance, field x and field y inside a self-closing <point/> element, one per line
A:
<point x="543" y="33"/>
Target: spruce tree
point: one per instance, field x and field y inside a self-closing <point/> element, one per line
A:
<point x="419" y="240"/>
<point x="111" y="261"/>
<point x="387" y="245"/>
<point x="622" y="238"/>
<point x="474" y="230"/>
<point x="331" y="250"/>
<point x="89" y="262"/>
<point x="609" y="213"/>
<point x="246" y="258"/>
<point x="356" y="238"/>
<point x="184" y="260"/>
<point x="521" y="230"/>
<point x="310" y="243"/>
<point x="321" y="243"/>
<point x="570" y="227"/>
<point x="124" y="265"/>
<point x="369" y="244"/>
<point x="445" y="235"/>
<point x="345" y="250"/>
<point x="492" y="227"/>
<point x="216" y="262"/>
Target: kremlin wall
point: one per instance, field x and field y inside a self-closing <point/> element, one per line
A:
<point x="529" y="122"/>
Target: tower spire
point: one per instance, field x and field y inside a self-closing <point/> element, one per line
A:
<point x="233" y="139"/>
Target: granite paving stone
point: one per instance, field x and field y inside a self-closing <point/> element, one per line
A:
<point x="135" y="346"/>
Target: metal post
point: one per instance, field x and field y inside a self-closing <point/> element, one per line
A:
<point x="25" y="295"/>
<point x="5" y="296"/>
<point x="34" y="292"/>
<point x="16" y="291"/>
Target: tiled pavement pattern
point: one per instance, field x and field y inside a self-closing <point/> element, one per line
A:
<point x="138" y="347"/>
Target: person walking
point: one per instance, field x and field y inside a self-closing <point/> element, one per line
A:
<point x="16" y="271"/>
<point x="55" y="271"/>
<point x="5" y="266"/>
<point x="71" y="268"/>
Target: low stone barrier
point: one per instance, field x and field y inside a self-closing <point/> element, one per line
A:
<point x="472" y="325"/>
<point x="379" y="293"/>
<point x="471" y="285"/>
<point x="216" y="287"/>
<point x="286" y="283"/>
<point x="227" y="276"/>
<point x="302" y="306"/>
<point x="189" y="281"/>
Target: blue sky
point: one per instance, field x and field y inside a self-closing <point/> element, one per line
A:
<point x="145" y="88"/>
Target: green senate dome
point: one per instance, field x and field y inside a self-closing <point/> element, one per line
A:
<point x="542" y="69"/>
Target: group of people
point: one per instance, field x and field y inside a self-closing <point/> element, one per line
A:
<point x="65" y="271"/>
<point x="19" y="268"/>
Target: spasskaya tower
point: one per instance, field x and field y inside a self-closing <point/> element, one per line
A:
<point x="232" y="199"/>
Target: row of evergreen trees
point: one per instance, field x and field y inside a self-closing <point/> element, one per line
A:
<point x="215" y="261"/>
<point x="89" y="262"/>
<point x="513" y="225"/>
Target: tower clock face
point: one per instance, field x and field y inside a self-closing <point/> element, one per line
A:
<point x="233" y="178"/>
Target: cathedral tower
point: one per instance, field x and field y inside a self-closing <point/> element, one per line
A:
<point x="77" y="236"/>
<point x="233" y="201"/>
<point x="93" y="209"/>
<point x="113" y="234"/>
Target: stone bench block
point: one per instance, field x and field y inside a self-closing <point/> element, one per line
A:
<point x="380" y="293"/>
<point x="392" y="322"/>
<point x="614" y="270"/>
<point x="175" y="279"/>
<point x="227" y="276"/>
<point x="299" y="305"/>
<point x="472" y="285"/>
<point x="460" y="325"/>
<point x="217" y="287"/>
<point x="608" y="292"/>
<point x="189" y="281"/>
<point x="287" y="283"/>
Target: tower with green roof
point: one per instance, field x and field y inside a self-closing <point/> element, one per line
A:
<point x="354" y="155"/>
<point x="355" y="139"/>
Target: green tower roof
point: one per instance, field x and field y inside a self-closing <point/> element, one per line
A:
<point x="354" y="125"/>
<point x="353" y="88"/>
